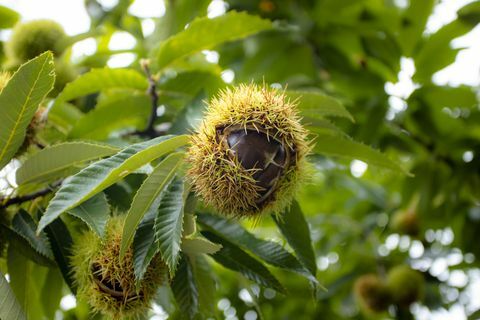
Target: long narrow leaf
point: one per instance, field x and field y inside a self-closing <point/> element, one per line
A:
<point x="318" y="104"/>
<point x="58" y="160"/>
<point x="10" y="309"/>
<point x="102" y="174"/>
<point x="185" y="289"/>
<point x="169" y="222"/>
<point x="20" y="99"/>
<point x="94" y="212"/>
<point x="294" y="227"/>
<point x="204" y="33"/>
<point x="234" y="258"/>
<point x="269" y="251"/>
<point x="346" y="148"/>
<point x="146" y="195"/>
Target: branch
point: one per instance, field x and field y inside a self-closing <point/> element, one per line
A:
<point x="4" y="203"/>
<point x="149" y="131"/>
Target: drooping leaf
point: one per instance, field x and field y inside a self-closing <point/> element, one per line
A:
<point x="102" y="174"/>
<point x="94" y="212"/>
<point x="316" y="104"/>
<point x="101" y="79"/>
<point x="26" y="281"/>
<point x="19" y="101"/>
<point x="146" y="195"/>
<point x="24" y="226"/>
<point x="270" y="252"/>
<point x="144" y="246"/>
<point x="204" y="33"/>
<point x="130" y="112"/>
<point x="8" y="18"/>
<point x="294" y="227"/>
<point x="61" y="243"/>
<point x="347" y="148"/>
<point x="59" y="160"/>
<point x="205" y="281"/>
<point x="52" y="292"/>
<point x="20" y="244"/>
<point x="169" y="222"/>
<point x="234" y="258"/>
<point x="438" y="46"/>
<point x="185" y="288"/>
<point x="10" y="309"/>
<point x="199" y="245"/>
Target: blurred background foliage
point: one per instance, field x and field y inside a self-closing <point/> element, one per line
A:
<point x="363" y="220"/>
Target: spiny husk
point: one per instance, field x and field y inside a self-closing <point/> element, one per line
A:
<point x="221" y="181"/>
<point x="30" y="39"/>
<point x="96" y="264"/>
<point x="372" y="293"/>
<point x="405" y="285"/>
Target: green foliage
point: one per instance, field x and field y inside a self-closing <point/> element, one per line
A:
<point x="113" y="143"/>
<point x="205" y="33"/>
<point x="19" y="101"/>
<point x="9" y="308"/>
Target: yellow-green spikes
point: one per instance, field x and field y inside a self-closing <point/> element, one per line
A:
<point x="108" y="283"/>
<point x="248" y="156"/>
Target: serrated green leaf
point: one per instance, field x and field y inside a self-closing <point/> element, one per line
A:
<point x="58" y="160"/>
<point x="19" y="101"/>
<point x="130" y="112"/>
<point x="144" y="246"/>
<point x="61" y="243"/>
<point x="294" y="227"/>
<point x="270" y="252"/>
<point x="199" y="245"/>
<point x="104" y="173"/>
<point x="169" y="222"/>
<point x="204" y="278"/>
<point x="8" y="18"/>
<point x="10" y="309"/>
<point x="20" y="244"/>
<point x="234" y="258"/>
<point x="24" y="226"/>
<point x="100" y="79"/>
<point x="316" y="104"/>
<point x="438" y="46"/>
<point x="26" y="281"/>
<point x="346" y="148"/>
<point x="146" y="195"/>
<point x="94" y="212"/>
<point x="204" y="33"/>
<point x="185" y="288"/>
<point x="52" y="292"/>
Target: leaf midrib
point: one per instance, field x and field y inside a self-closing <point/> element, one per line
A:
<point x="24" y="106"/>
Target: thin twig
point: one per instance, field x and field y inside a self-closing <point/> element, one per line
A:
<point x="149" y="131"/>
<point x="4" y="203"/>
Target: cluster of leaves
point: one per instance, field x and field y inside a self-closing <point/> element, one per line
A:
<point x="114" y="144"/>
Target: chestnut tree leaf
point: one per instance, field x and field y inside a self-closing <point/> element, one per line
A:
<point x="317" y="104"/>
<point x="169" y="222"/>
<point x="233" y="257"/>
<point x="10" y="309"/>
<point x="19" y="101"/>
<point x="58" y="160"/>
<point x="146" y="195"/>
<point x="94" y="212"/>
<point x="100" y="79"/>
<point x="104" y="173"/>
<point x="205" y="33"/>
